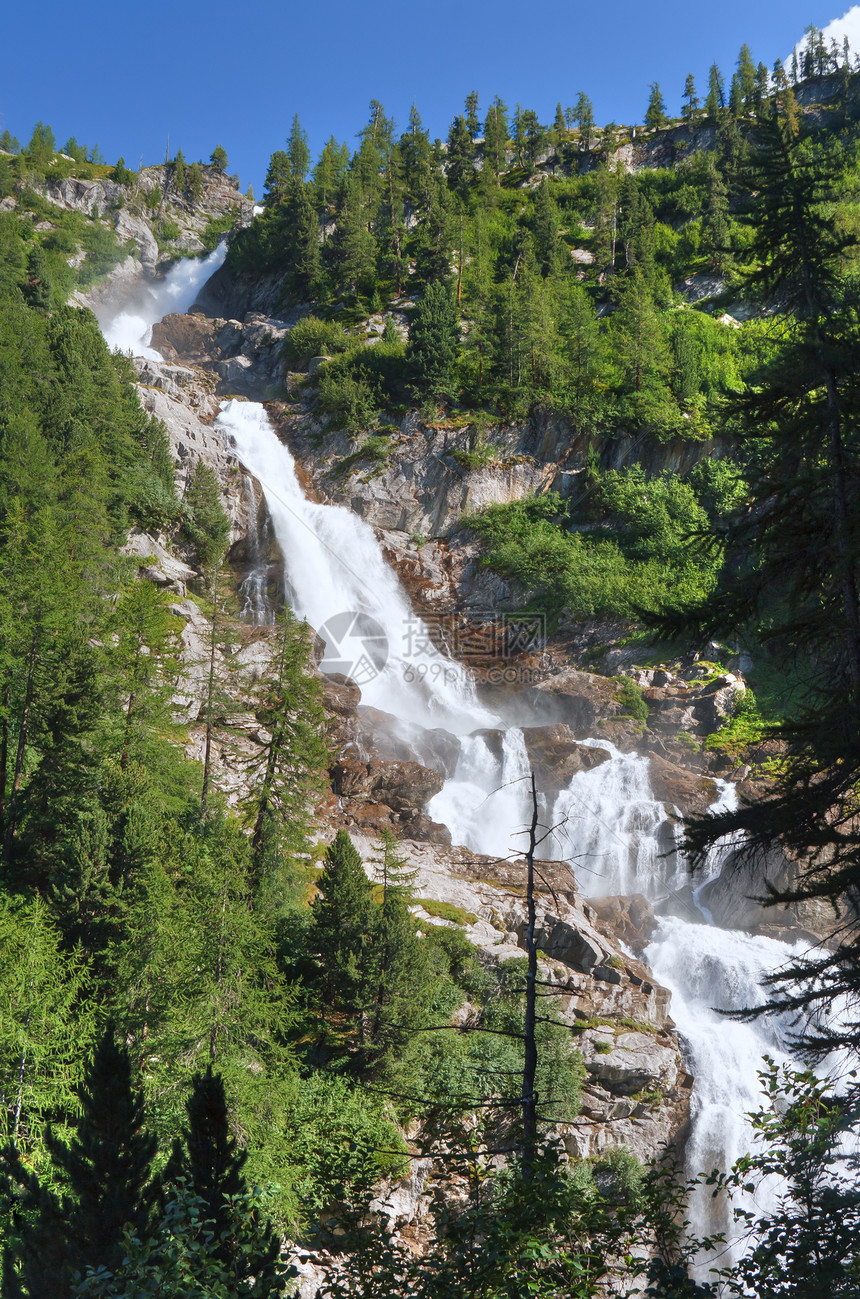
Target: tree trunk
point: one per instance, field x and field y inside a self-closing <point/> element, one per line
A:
<point x="529" y="1096"/>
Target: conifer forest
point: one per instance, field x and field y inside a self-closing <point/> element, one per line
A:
<point x="520" y="959"/>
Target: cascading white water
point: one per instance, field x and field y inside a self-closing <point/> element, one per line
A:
<point x="340" y="582"/>
<point x="607" y="823"/>
<point x="130" y="329"/>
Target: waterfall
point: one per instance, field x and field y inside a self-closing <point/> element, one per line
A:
<point x="607" y="823"/>
<point x="340" y="582"/>
<point x="130" y="329"/>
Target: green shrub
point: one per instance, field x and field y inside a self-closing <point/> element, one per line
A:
<point x="602" y="1048"/>
<point x="630" y="696"/>
<point x="315" y="337"/>
<point x="348" y="399"/>
<point x="215" y="230"/>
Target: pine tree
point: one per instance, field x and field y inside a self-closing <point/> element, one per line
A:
<point x="210" y="1165"/>
<point x="178" y="174"/>
<point x="746" y="76"/>
<point x="277" y="188"/>
<point x="287" y="770"/>
<point x="496" y="138"/>
<point x="107" y="1167"/>
<point x="736" y="99"/>
<point x="691" y="98"/>
<point x="195" y="182"/>
<point x="37" y="286"/>
<point x="716" y="99"/>
<point x="472" y="120"/>
<point x="298" y="152"/>
<point x="219" y="159"/>
<point x="434" y="342"/>
<point x="344" y="925"/>
<point x="585" y="117"/>
<point x="655" y="117"/>
<point x="460" y="172"/>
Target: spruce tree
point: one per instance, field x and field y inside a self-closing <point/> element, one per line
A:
<point x="219" y="159"/>
<point x="496" y="138"/>
<point x="472" y="120"/>
<point x="207" y="1161"/>
<point x="178" y="174"/>
<point x="655" y="117"/>
<point x="690" y="97"/>
<point x="107" y="1167"/>
<point x="585" y="117"/>
<point x="716" y="98"/>
<point x="344" y="926"/>
<point x="434" y="342"/>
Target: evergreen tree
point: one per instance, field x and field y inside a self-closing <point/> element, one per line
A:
<point x="716" y="99"/>
<point x="691" y="98"/>
<point x="585" y="117"/>
<point x="218" y="159"/>
<point x="42" y="147"/>
<point x="496" y="138"/>
<point x="37" y="286"/>
<point x="655" y="117"/>
<point x="195" y="182"/>
<point x="472" y="120"/>
<point x="434" y="342"/>
<point x="298" y="152"/>
<point x="287" y="770"/>
<point x="460" y="172"/>
<point x="330" y="170"/>
<point x="107" y="1167"/>
<point x="747" y="77"/>
<point x="178" y="173"/>
<point x="736" y="99"/>
<point x="277" y="188"/>
<point x="206" y="522"/>
<point x="344" y="925"/>
<point x="208" y="1162"/>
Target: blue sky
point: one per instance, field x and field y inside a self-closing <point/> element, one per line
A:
<point x="128" y="76"/>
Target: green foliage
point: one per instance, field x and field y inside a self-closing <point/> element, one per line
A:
<point x="630" y="697"/>
<point x="219" y="159"/>
<point x="216" y="228"/>
<point x="638" y="556"/>
<point x="206" y="523"/>
<point x="311" y="337"/>
<point x="447" y="911"/>
<point x="348" y="398"/>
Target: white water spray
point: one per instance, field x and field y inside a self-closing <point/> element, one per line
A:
<point x="130" y="329"/>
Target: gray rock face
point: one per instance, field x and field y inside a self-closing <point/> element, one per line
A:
<point x="128" y="227"/>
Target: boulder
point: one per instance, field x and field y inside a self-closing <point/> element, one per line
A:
<point x="557" y="757"/>
<point x="690" y="793"/>
<point x="400" y="786"/>
<point x="191" y="338"/>
<point x="636" y="1062"/>
<point x="631" y="919"/>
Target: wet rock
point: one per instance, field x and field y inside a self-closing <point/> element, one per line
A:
<point x="631" y="919"/>
<point x="401" y="786"/>
<point x="690" y="793"/>
<point x="556" y="756"/>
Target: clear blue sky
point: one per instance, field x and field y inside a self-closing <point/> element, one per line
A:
<point x="126" y="76"/>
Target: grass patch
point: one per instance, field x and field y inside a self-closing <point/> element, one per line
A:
<point x="447" y="911"/>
